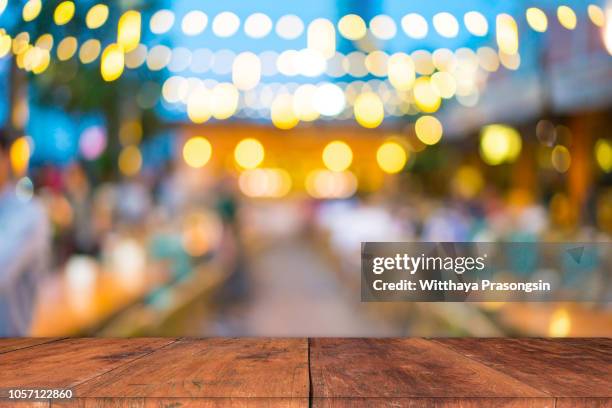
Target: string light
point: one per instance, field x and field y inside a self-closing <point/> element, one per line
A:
<point x="197" y="152"/>
<point x="96" y="16"/>
<point x="391" y="157"/>
<point x="536" y="19"/>
<point x="476" y="23"/>
<point x="369" y="110"/>
<point x="249" y="153"/>
<point x="112" y="63"/>
<point x="162" y="21"/>
<point x="567" y="17"/>
<point x="352" y="27"/>
<point x="337" y="156"/>
<point x="128" y="30"/>
<point x="63" y="13"/>
<point x="31" y="10"/>
<point x="507" y="34"/>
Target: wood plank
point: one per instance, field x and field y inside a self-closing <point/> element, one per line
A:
<point x="6" y="403"/>
<point x="583" y="403"/>
<point x="442" y="402"/>
<point x="562" y="368"/>
<point x="179" y="403"/>
<point x="66" y="363"/>
<point x="11" y="344"/>
<point x="406" y="369"/>
<point x="213" y="368"/>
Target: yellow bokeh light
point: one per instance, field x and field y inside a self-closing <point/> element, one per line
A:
<point x="89" y="51"/>
<point x="352" y="27"/>
<point x="391" y="157"/>
<point x="606" y="32"/>
<point x="337" y="156"/>
<point x="130" y="160"/>
<point x="265" y="183"/>
<point x="45" y="42"/>
<point x="560" y="324"/>
<point x="369" y="110"/>
<point x="3" y="4"/>
<point x="66" y="48"/>
<point x="31" y="10"/>
<point x="281" y="112"/>
<point x="63" y="12"/>
<point x="401" y="71"/>
<point x="326" y="184"/>
<point x="197" y="152"/>
<point x="304" y="103"/>
<point x="199" y="105"/>
<point x="499" y="144"/>
<point x="597" y="15"/>
<point x="567" y="17"/>
<point x="112" y="63"/>
<point x="128" y="30"/>
<point x="561" y="158"/>
<point x="5" y="44"/>
<point x="426" y="96"/>
<point x="507" y="34"/>
<point x="603" y="154"/>
<point x="224" y="100"/>
<point x="444" y="83"/>
<point x="428" y="129"/>
<point x="19" y="155"/>
<point x="96" y="16"/>
<point x="249" y="153"/>
<point x="41" y="61"/>
<point x="536" y="19"/>
<point x="21" y="42"/>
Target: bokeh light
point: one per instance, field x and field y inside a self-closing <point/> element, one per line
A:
<point x="391" y="157"/>
<point x="499" y="144"/>
<point x="128" y="30"/>
<point x="537" y="19"/>
<point x="567" y="17"/>
<point x="130" y="160"/>
<point x="337" y="156"/>
<point x="603" y="154"/>
<point x="352" y="27"/>
<point x="428" y="129"/>
<point x="64" y="12"/>
<point x="97" y="16"/>
<point x="369" y="110"/>
<point x="112" y="62"/>
<point x="197" y="152"/>
<point x="249" y="153"/>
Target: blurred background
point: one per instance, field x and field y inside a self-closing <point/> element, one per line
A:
<point x="210" y="168"/>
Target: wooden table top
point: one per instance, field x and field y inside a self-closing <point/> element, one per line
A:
<point x="321" y="372"/>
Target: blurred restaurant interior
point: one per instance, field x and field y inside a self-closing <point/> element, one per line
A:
<point x="211" y="168"/>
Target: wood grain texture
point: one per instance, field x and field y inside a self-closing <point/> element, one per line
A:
<point x="583" y="403"/>
<point x="213" y="368"/>
<point x="12" y="344"/>
<point x="5" y="403"/>
<point x="182" y="403"/>
<point x="66" y="363"/>
<point x="404" y="368"/>
<point x="563" y="368"/>
<point x="415" y="402"/>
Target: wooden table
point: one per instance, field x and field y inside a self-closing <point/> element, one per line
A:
<point x="298" y="372"/>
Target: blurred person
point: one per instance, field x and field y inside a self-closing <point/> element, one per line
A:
<point x="78" y="193"/>
<point x="24" y="251"/>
